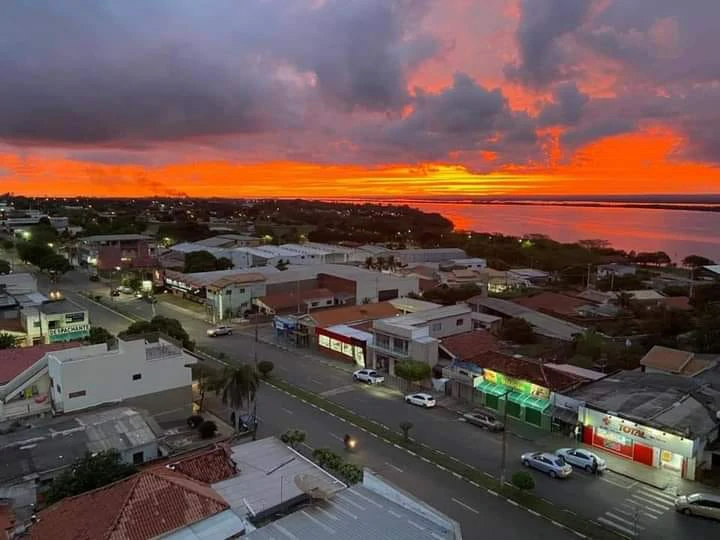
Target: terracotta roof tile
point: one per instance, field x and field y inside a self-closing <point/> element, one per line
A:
<point x="146" y="505"/>
<point x="351" y="314"/>
<point x="677" y="302"/>
<point x="14" y="361"/>
<point x="290" y="300"/>
<point x="524" y="369"/>
<point x="208" y="467"/>
<point x="552" y="302"/>
<point x="673" y="361"/>
<point x="470" y="344"/>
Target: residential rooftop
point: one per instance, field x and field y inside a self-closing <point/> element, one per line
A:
<point x="674" y="361"/>
<point x="323" y="318"/>
<point x="16" y="360"/>
<point x="58" y="307"/>
<point x="421" y="318"/>
<point x="114" y="238"/>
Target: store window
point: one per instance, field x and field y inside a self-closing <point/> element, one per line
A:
<point x="513" y="409"/>
<point x="533" y="417"/>
<point x="491" y="401"/>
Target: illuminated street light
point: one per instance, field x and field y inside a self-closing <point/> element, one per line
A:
<point x="50" y="245"/>
<point x="26" y="235"/>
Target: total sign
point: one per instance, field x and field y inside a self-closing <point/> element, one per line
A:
<point x="637" y="432"/>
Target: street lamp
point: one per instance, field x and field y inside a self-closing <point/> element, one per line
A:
<point x="503" y="457"/>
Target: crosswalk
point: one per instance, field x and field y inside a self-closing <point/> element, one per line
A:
<point x="637" y="510"/>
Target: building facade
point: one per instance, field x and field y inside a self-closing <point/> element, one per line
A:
<point x="108" y="252"/>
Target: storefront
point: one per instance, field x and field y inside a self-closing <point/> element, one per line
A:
<point x="524" y="400"/>
<point x="642" y="444"/>
<point x="344" y="342"/>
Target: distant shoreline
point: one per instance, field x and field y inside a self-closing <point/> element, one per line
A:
<point x="688" y="207"/>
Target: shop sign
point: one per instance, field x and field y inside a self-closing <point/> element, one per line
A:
<point x="354" y="352"/>
<point x="69" y="330"/>
<point x="639" y="433"/>
<point x="518" y="385"/>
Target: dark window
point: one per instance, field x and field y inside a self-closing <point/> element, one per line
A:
<point x="57" y="387"/>
<point x="388" y="294"/>
<point x="491" y="401"/>
<point x="315" y="304"/>
<point x="138" y="458"/>
<point x="53" y="324"/>
<point x="533" y="417"/>
<point x="459" y="322"/>
<point x="137" y="376"/>
<point x="36" y="324"/>
<point x="513" y="408"/>
<point x="228" y="292"/>
<point x="241" y="291"/>
<point x="79" y="393"/>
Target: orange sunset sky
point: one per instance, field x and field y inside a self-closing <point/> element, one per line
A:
<point x="355" y="98"/>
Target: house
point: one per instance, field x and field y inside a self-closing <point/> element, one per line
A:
<point x="461" y="277"/>
<point x="615" y="269"/>
<point x="229" y="241"/>
<point x="27" y="469"/>
<point x="665" y="421"/>
<point x="666" y="360"/>
<point x="295" y="302"/>
<point x="55" y="321"/>
<point x="472" y="263"/>
<point x="530" y="275"/>
<point x="109" y="251"/>
<point x="553" y="303"/>
<point x="416" y="335"/>
<point x="646" y="297"/>
<point x="347" y="315"/>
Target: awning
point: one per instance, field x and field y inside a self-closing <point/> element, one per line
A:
<point x="491" y="388"/>
<point x="565" y="415"/>
<point x="529" y="401"/>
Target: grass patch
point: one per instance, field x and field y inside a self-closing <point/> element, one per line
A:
<point x="181" y="302"/>
<point x="528" y="500"/>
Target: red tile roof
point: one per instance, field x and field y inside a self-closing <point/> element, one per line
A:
<point x="552" y="302"/>
<point x="11" y="325"/>
<point x="677" y="302"/>
<point x="283" y="301"/>
<point x="352" y="314"/>
<point x="145" y="505"/>
<point x="14" y="361"/>
<point x="525" y="369"/>
<point x="470" y="344"/>
<point x="208" y="466"/>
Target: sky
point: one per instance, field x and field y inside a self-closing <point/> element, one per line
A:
<point x="359" y="98"/>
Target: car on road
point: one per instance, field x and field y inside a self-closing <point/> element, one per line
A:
<point x="221" y="330"/>
<point x="114" y="292"/>
<point x="125" y="289"/>
<point x="699" y="504"/>
<point x="484" y="420"/>
<point x="581" y="458"/>
<point x="550" y="464"/>
<point x="369" y="376"/>
<point x="94" y="277"/>
<point x="421" y="399"/>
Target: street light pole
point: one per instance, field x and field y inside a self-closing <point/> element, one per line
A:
<point x="504" y="440"/>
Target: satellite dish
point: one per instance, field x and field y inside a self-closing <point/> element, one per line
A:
<point x="315" y="486"/>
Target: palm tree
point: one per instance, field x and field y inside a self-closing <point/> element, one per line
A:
<point x="391" y="263"/>
<point x="623" y="299"/>
<point x="237" y="387"/>
<point x="381" y="263"/>
<point x="369" y="263"/>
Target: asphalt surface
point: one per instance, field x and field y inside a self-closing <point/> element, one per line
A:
<point x="613" y="501"/>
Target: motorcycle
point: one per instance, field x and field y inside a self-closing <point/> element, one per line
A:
<point x="350" y="442"/>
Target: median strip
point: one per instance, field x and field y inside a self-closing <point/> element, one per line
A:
<point x="546" y="509"/>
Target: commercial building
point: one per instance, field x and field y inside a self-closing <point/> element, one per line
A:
<point x="12" y="219"/>
<point x="55" y="321"/>
<point x="229" y="241"/>
<point x="107" y="252"/>
<point x="416" y="335"/>
<point x="664" y="421"/>
<point x="615" y="269"/>
<point x="302" y="301"/>
<point x="432" y="255"/>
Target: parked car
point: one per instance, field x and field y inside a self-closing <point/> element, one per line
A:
<point x="699" y="504"/>
<point x="579" y="457"/>
<point x="94" y="277"/>
<point x="484" y="420"/>
<point x="125" y="290"/>
<point x="114" y="292"/>
<point x="369" y="376"/>
<point x="139" y="294"/>
<point x="550" y="464"/>
<point x="221" y="330"/>
<point x="420" y="399"/>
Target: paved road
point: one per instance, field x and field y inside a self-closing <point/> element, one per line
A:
<point x="611" y="500"/>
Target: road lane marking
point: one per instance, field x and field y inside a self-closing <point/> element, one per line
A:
<point x="663" y="497"/>
<point x="398" y="469"/>
<point x="315" y="381"/>
<point x="616" y="526"/>
<point x="336" y="437"/>
<point x="533" y="512"/>
<point x="307" y="446"/>
<point x="629" y="522"/>
<point x="287" y="410"/>
<point x="514" y="503"/>
<point x="456" y="501"/>
<point x="644" y="501"/>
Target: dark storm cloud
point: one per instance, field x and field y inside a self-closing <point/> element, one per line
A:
<point x="566" y="108"/>
<point x="543" y="23"/>
<point x="93" y="71"/>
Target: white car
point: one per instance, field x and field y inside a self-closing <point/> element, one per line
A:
<point x="220" y="331"/>
<point x="421" y="400"/>
<point x="581" y="458"/>
<point x="369" y="376"/>
<point x="125" y="289"/>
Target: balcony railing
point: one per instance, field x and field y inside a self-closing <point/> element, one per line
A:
<point x="22" y="408"/>
<point x="398" y="352"/>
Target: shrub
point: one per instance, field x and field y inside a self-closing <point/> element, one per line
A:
<point x="265" y="367"/>
<point x="293" y="437"/>
<point x="207" y="429"/>
<point x="326" y="458"/>
<point x="195" y="420"/>
<point x="523" y="480"/>
<point x="350" y="473"/>
<point x="406" y="427"/>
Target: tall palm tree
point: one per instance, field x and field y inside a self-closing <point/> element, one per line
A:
<point x="381" y="263"/>
<point x="391" y="262"/>
<point x="237" y="388"/>
<point x="369" y="263"/>
<point x="624" y="299"/>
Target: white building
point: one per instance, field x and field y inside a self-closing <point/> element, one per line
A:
<point x="415" y="336"/>
<point x="473" y="263"/>
<point x="55" y="321"/>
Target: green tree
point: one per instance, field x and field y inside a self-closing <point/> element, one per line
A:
<point x="519" y="331"/>
<point x="265" y="367"/>
<point x="7" y="341"/>
<point x="5" y="267"/>
<point x="207" y="381"/>
<point x="590" y="344"/>
<point x="237" y="388"/>
<point x="87" y="473"/>
<point x="406" y="427"/>
<point x="199" y="261"/>
<point x="164" y="325"/>
<point x="523" y="480"/>
<point x="707" y="334"/>
<point x="624" y="299"/>
<point x="412" y="371"/>
<point x="350" y="473"/>
<point x="369" y="263"/>
<point x="207" y="429"/>
<point x="696" y="261"/>
<point x="223" y="263"/>
<point x="7" y="245"/>
<point x="327" y="459"/>
<point x="293" y="437"/>
<point x="98" y="335"/>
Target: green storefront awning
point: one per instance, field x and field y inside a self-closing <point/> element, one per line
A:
<point x="491" y="388"/>
<point x="526" y="400"/>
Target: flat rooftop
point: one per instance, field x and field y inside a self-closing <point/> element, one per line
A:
<point x="115" y="237"/>
<point x="420" y="318"/>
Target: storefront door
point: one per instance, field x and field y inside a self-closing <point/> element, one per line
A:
<point x="643" y="454"/>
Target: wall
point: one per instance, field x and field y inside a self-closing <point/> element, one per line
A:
<point x="291" y="286"/>
<point x="108" y="378"/>
<point x="424" y="351"/>
<point x="338" y="285"/>
<point x="239" y="298"/>
<point x="449" y="326"/>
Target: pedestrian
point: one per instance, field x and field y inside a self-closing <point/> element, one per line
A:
<point x="594" y="465"/>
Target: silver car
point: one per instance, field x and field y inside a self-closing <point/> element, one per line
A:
<point x="550" y="464"/>
<point x="699" y="504"/>
<point x="581" y="458"/>
<point x="221" y="330"/>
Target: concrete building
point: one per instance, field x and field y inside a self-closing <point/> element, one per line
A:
<point x="229" y="241"/>
<point x="55" y="321"/>
<point x="416" y="336"/>
<point x="107" y="252"/>
<point x="615" y="269"/>
<point x="432" y="255"/>
<point x="15" y="220"/>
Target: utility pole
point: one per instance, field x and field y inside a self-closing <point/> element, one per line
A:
<point x="255" y="360"/>
<point x="504" y="440"/>
<point x="588" y="276"/>
<point x="692" y="282"/>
